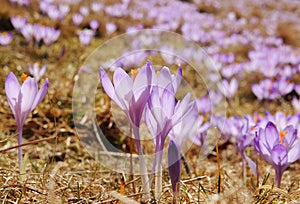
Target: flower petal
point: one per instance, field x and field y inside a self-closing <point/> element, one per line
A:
<point x="41" y="94"/>
<point x="12" y="89"/>
<point x="271" y="134"/>
<point x="294" y="152"/>
<point x="174" y="164"/>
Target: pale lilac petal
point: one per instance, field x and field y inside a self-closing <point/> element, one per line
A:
<point x="41" y="94"/>
<point x="294" y="152"/>
<point x="164" y="78"/>
<point x="12" y="89"/>
<point x="251" y="164"/>
<point x="279" y="155"/>
<point x="107" y="85"/>
<point x="142" y="81"/>
<point x="271" y="134"/>
<point x="29" y="90"/>
<point x="177" y="79"/>
<point x="168" y="103"/>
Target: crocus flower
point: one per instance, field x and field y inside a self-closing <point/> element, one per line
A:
<point x="86" y="36"/>
<point x="18" y="22"/>
<point x="27" y="31"/>
<point x="110" y="28"/>
<point x="229" y="88"/>
<point x="131" y="95"/>
<point x="22" y="100"/>
<point x="77" y="18"/>
<point x="5" y="38"/>
<point x="162" y="113"/>
<point x="266" y="89"/>
<point x="278" y="148"/>
<point x="96" y="6"/>
<point x="36" y="71"/>
<point x="84" y="10"/>
<point x="53" y="12"/>
<point x="51" y="35"/>
<point x="94" y="24"/>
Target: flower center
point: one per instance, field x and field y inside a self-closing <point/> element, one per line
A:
<point x="282" y="136"/>
<point x="134" y="73"/>
<point x="24" y="77"/>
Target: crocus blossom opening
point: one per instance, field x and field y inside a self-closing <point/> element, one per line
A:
<point x="22" y="100"/>
<point x="279" y="149"/>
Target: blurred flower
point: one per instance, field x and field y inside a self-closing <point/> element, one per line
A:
<point x="296" y="104"/>
<point x="94" y="24"/>
<point x="20" y="2"/>
<point x="18" y="22"/>
<point x="39" y="32"/>
<point x="77" y="18"/>
<point x="110" y="28"/>
<point x="86" y="36"/>
<point x="27" y="32"/>
<point x="96" y="6"/>
<point x="5" y="38"/>
<point x="36" y="71"/>
<point x="53" y="12"/>
<point x="204" y="104"/>
<point x="51" y="35"/>
<point x="44" y="6"/>
<point x="297" y="89"/>
<point x="229" y="88"/>
<point x="22" y="100"/>
<point x="278" y="148"/>
<point x="84" y="10"/>
<point x="63" y="10"/>
<point x="265" y="90"/>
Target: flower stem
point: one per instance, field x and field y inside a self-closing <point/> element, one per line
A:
<point x="20" y="132"/>
<point x="158" y="176"/>
<point x="143" y="167"/>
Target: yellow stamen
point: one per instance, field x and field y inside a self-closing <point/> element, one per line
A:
<point x="134" y="73"/>
<point x="282" y="136"/>
<point x="24" y="77"/>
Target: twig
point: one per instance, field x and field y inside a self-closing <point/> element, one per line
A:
<point x="28" y="143"/>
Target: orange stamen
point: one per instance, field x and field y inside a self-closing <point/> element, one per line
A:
<point x="134" y="73"/>
<point x="24" y="77"/>
<point x="282" y="136"/>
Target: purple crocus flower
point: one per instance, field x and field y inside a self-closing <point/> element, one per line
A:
<point x="174" y="165"/>
<point x="22" y="100"/>
<point x="77" y="18"/>
<point x="86" y="36"/>
<point x="84" y="10"/>
<point x="110" y="28"/>
<point x="266" y="89"/>
<point x="51" y="35"/>
<point x="18" y="22"/>
<point x="94" y="24"/>
<point x="278" y="148"/>
<point x="36" y="71"/>
<point x="5" y="38"/>
<point x="131" y="95"/>
<point x="53" y="12"/>
<point x="39" y="32"/>
<point x="229" y="88"/>
<point x="96" y="6"/>
<point x="162" y="113"/>
<point x="27" y="31"/>
<point x="204" y="104"/>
